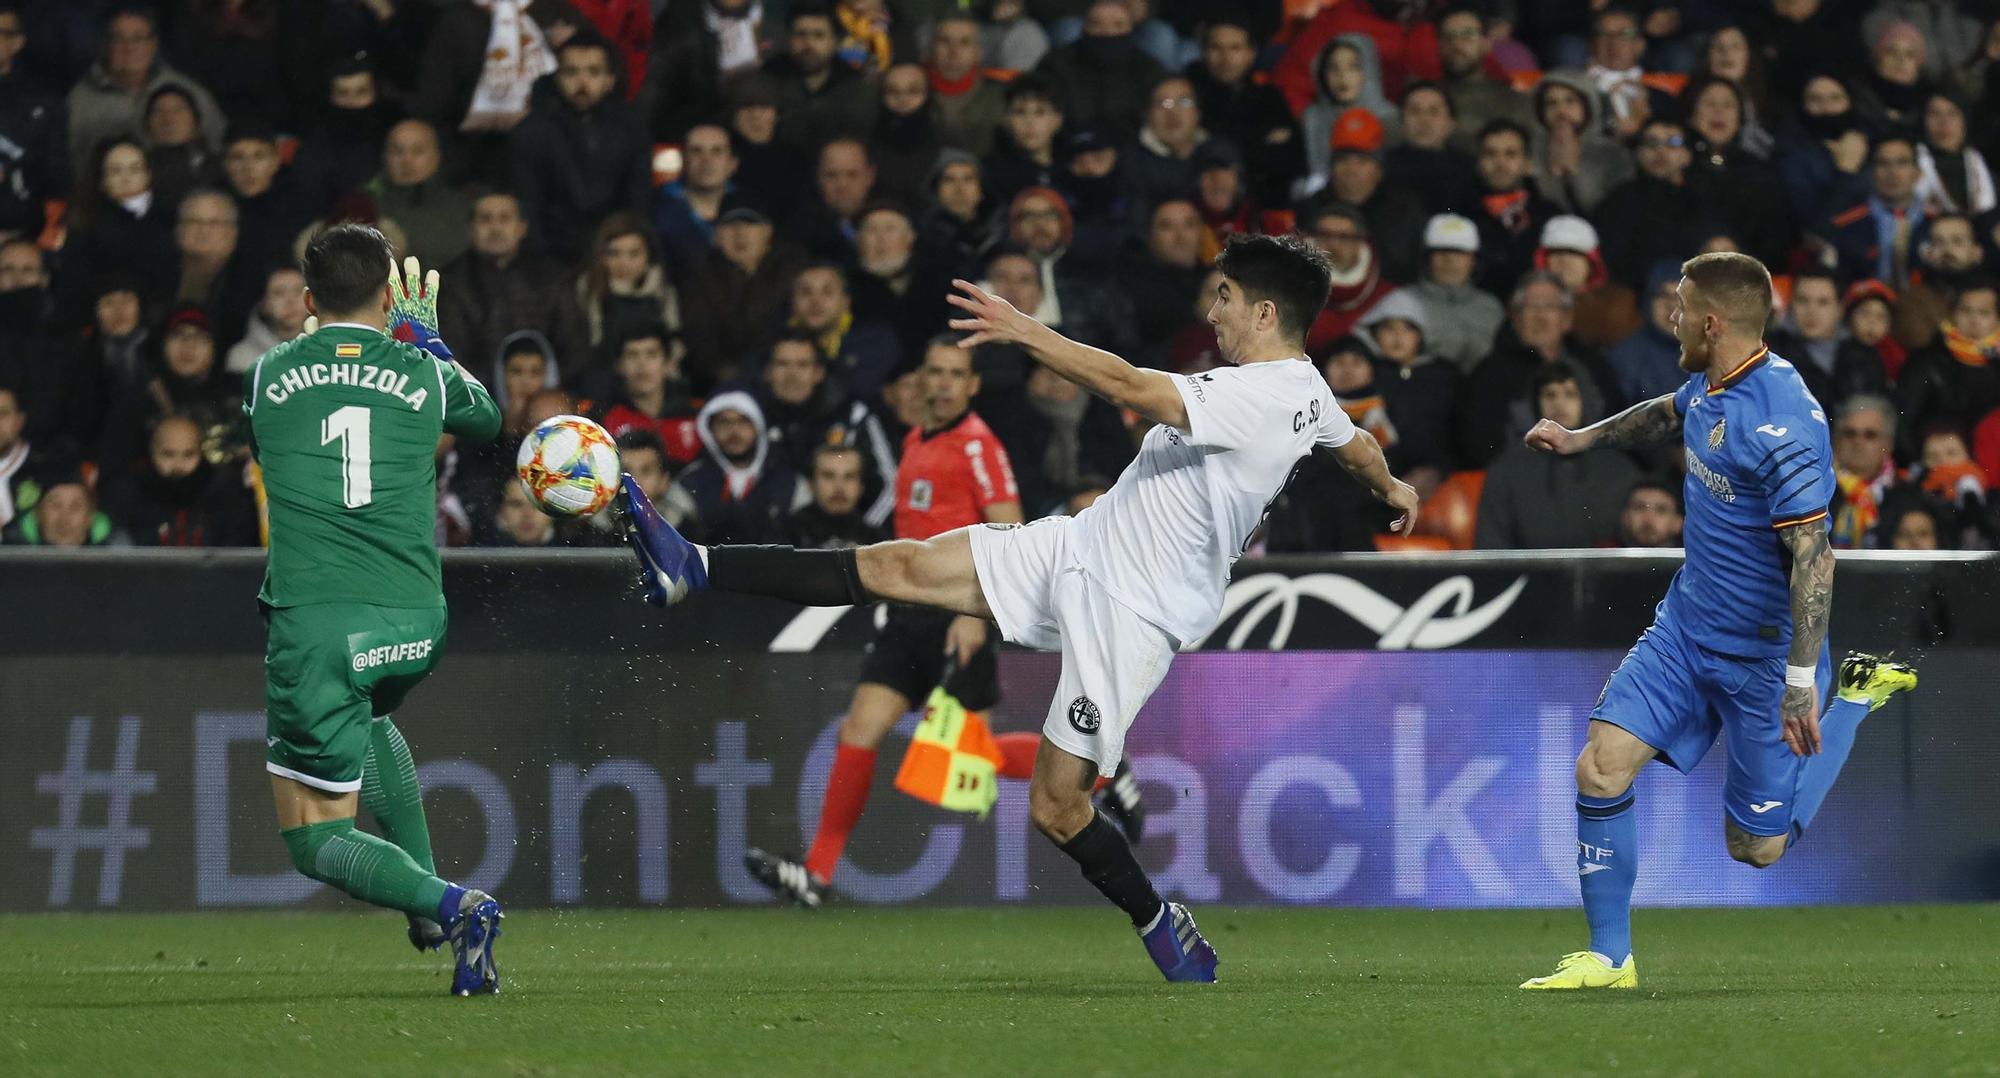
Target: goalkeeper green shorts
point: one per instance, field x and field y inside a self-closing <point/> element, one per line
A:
<point x="330" y="669"/>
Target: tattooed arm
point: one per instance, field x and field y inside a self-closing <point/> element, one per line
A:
<point x="1645" y="423"/>
<point x="1812" y="602"/>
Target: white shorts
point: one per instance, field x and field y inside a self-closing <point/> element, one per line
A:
<point x="1112" y="659"/>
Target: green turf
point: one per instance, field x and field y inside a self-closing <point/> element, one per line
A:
<point x="1768" y="993"/>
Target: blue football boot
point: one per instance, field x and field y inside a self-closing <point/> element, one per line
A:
<point x="1177" y="946"/>
<point x="473" y="932"/>
<point x="669" y="566"/>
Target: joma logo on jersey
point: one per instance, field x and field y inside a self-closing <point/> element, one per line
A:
<point x="358" y="375"/>
<point x="1717" y="485"/>
<point x="392" y="653"/>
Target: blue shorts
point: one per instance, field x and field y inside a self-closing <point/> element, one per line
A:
<point x="1675" y="695"/>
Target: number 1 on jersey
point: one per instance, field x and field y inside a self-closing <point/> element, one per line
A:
<point x="350" y="426"/>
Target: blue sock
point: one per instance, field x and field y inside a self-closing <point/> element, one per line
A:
<point x="448" y="905"/>
<point x="1836" y="739"/>
<point x="1607" y="864"/>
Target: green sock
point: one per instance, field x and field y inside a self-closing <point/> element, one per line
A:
<point x="371" y="869"/>
<point x="390" y="793"/>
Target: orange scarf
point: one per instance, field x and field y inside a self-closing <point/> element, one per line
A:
<point x="1858" y="512"/>
<point x="1371" y="413"/>
<point x="1972" y="353"/>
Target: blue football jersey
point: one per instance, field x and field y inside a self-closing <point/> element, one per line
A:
<point x="1758" y="459"/>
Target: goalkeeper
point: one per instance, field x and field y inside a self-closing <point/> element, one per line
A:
<point x="345" y="423"/>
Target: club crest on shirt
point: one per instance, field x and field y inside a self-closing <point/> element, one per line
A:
<point x="920" y="495"/>
<point x="1083" y="715"/>
<point x="1716" y="433"/>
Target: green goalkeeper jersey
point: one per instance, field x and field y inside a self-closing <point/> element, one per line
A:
<point x="345" y="424"/>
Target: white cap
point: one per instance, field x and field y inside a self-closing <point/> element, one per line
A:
<point x="1569" y="233"/>
<point x="1450" y="232"/>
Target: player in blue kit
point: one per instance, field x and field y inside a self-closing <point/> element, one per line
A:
<point x="1738" y="647"/>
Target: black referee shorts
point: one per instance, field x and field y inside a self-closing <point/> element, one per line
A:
<point x="907" y="655"/>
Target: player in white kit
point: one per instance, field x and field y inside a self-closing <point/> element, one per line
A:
<point x="1120" y="587"/>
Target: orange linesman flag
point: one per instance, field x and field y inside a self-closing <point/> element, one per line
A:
<point x="953" y="760"/>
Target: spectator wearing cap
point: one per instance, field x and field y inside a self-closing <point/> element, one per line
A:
<point x="1575" y="164"/>
<point x="861" y="354"/>
<point x="1497" y="406"/>
<point x="1025" y="153"/>
<point x="696" y="47"/>
<point x="33" y="124"/>
<point x="344" y="149"/>
<point x="1473" y="79"/>
<point x="895" y="282"/>
<point x="1460" y="318"/>
<point x="1810" y="335"/>
<point x="580" y="153"/>
<point x="1160" y="286"/>
<point x="817" y="94"/>
<point x="1604" y="311"/>
<point x="412" y="190"/>
<point x="1541" y="501"/>
<point x="1957" y="379"/>
<point x="1395" y="217"/>
<point x="1878" y="238"/>
<point x="1510" y="212"/>
<point x="1011" y="38"/>
<point x="1951" y="34"/>
<point x="1653" y="215"/>
<point x="1160" y="162"/>
<point x="805" y="410"/>
<point x="1869" y="311"/>
<point x="1426" y="162"/>
<point x="1346" y="76"/>
<point x="179" y="158"/>
<point x="497" y="288"/>
<point x="685" y="209"/>
<point x="1091" y="178"/>
<point x="957" y="225"/>
<point x="1358" y="284"/>
<point x="1647" y="363"/>
<point x="905" y="141"/>
<point x="108" y="100"/>
<point x="966" y="105"/>
<point x="186" y="379"/>
<point x="65" y="515"/>
<point x="736" y="292"/>
<point x="1254" y="113"/>
<point x="1104" y="77"/>
<point x="270" y="208"/>
<point x="1419" y="391"/>
<point x="1889" y="95"/>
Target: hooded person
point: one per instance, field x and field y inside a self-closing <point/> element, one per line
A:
<point x="957" y="228"/>
<point x="1575" y="164"/>
<point x="1418" y="390"/>
<point x="736" y="493"/>
<point x="1605" y="311"/>
<point x="1461" y="317"/>
<point x="1346" y="75"/>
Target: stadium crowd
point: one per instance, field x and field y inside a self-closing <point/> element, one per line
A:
<point x="726" y="228"/>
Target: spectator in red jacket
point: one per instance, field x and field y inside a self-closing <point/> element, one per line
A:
<point x="653" y="394"/>
<point x="1357" y="272"/>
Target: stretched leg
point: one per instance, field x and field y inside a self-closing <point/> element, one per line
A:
<point x="1866" y="683"/>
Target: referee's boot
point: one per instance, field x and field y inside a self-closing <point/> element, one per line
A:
<point x="670" y="567"/>
<point x="787" y="879"/>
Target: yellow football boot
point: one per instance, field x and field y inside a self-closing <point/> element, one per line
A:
<point x="1866" y="679"/>
<point x="1587" y="969"/>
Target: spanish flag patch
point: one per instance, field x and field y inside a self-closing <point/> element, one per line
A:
<point x="347" y="351"/>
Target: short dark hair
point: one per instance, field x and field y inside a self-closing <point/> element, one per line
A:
<point x="1435" y="87"/>
<point x="793" y="336"/>
<point x="1893" y="135"/>
<point x="1551" y="374"/>
<point x="346" y="265"/>
<point x="810" y="9"/>
<point x="1036" y="86"/>
<point x="645" y="331"/>
<point x="1977" y="282"/>
<point x="828" y="449"/>
<point x="1665" y="486"/>
<point x="642" y="438"/>
<point x="1287" y="270"/>
<point x="1497" y="126"/>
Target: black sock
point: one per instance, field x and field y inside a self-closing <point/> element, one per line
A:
<point x="807" y="577"/>
<point x="1107" y="862"/>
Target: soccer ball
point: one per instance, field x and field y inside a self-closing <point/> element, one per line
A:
<point x="569" y="466"/>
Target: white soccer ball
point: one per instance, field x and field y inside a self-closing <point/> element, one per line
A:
<point x="569" y="466"/>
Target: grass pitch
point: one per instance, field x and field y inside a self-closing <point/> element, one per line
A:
<point x="1762" y="992"/>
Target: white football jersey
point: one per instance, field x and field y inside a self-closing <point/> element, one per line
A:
<point x="1161" y="540"/>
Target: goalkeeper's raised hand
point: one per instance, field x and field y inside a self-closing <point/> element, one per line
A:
<point x="413" y="312"/>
